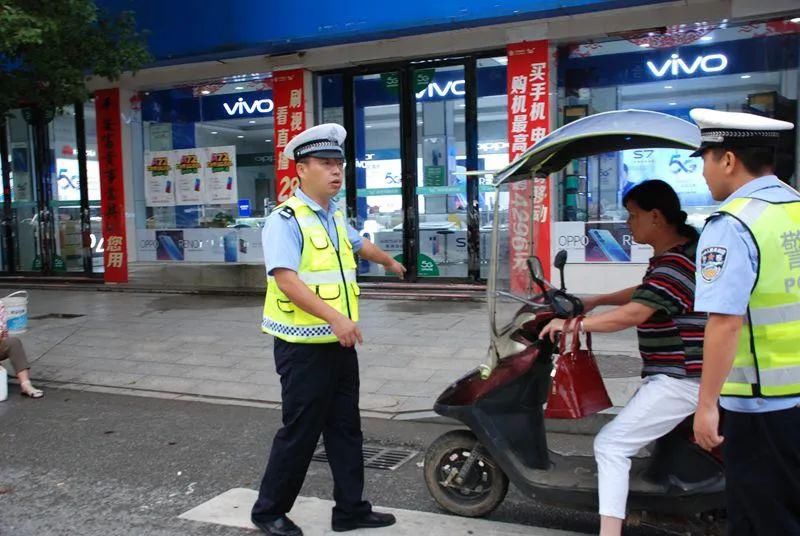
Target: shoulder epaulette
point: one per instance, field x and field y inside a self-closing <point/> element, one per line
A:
<point x="286" y="212"/>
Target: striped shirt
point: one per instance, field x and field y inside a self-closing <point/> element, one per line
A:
<point x="671" y="340"/>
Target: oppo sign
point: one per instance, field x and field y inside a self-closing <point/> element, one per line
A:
<point x="713" y="63"/>
<point x="241" y="107"/>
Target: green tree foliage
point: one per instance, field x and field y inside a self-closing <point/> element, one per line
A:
<point x="49" y="48"/>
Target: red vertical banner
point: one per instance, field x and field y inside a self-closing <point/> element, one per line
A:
<point x="528" y="122"/>
<point x="112" y="189"/>
<point x="288" y="93"/>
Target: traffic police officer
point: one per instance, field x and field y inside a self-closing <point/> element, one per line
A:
<point x="311" y="308"/>
<point x="748" y="281"/>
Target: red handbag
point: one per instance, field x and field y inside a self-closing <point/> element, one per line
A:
<point x="577" y="389"/>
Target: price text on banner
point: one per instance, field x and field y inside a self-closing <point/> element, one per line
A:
<point x="528" y="122"/>
<point x="289" y="121"/>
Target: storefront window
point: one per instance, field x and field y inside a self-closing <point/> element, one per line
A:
<point x="65" y="199"/>
<point x="492" y="148"/>
<point x="93" y="188"/>
<point x="441" y="182"/>
<point x="379" y="199"/>
<point x="208" y="176"/>
<point x="739" y="69"/>
<point x="24" y="194"/>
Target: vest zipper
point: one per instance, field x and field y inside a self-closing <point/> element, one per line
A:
<point x="339" y="259"/>
<point x="344" y="281"/>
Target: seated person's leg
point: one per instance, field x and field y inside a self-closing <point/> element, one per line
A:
<point x="11" y="349"/>
<point x="659" y="405"/>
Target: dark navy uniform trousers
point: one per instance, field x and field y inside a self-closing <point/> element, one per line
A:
<point x="762" y="471"/>
<point x="319" y="389"/>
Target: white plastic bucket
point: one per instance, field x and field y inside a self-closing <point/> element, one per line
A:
<point x="3" y="384"/>
<point x="16" y="305"/>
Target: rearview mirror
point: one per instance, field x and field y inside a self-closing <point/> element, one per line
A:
<point x="535" y="267"/>
<point x="561" y="259"/>
<point x="560" y="262"/>
<point x="537" y="272"/>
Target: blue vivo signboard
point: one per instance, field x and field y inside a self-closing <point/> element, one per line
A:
<point x="180" y="105"/>
<point x="180" y="30"/>
<point x="731" y="57"/>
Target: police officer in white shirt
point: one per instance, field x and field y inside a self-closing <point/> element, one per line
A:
<point x="748" y="267"/>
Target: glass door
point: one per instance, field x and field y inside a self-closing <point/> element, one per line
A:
<point x="413" y="148"/>
<point x="441" y="164"/>
<point x="379" y="164"/>
<point x="27" y="220"/>
<point x="46" y="207"/>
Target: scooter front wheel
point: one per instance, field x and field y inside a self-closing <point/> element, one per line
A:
<point x="459" y="483"/>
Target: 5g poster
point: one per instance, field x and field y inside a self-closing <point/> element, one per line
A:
<point x="191" y="177"/>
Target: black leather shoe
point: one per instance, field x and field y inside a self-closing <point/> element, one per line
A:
<point x="372" y="520"/>
<point x="281" y="526"/>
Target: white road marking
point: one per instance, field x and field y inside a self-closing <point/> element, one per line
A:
<point x="313" y="515"/>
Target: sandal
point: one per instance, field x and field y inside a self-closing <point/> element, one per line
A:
<point x="27" y="389"/>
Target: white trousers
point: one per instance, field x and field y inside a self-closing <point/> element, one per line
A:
<point x="659" y="405"/>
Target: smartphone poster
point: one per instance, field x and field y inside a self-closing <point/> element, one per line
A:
<point x="599" y="242"/>
<point x="169" y="245"/>
<point x="608" y="242"/>
<point x="159" y="179"/>
<point x="189" y="176"/>
<point x="220" y="175"/>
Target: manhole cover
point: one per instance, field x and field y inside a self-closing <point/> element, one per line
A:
<point x="55" y="315"/>
<point x="376" y="456"/>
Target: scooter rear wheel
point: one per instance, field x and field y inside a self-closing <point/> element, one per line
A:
<point x="475" y="494"/>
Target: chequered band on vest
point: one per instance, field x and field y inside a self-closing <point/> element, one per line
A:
<point x="316" y="145"/>
<point x="306" y="332"/>
<point x="723" y="135"/>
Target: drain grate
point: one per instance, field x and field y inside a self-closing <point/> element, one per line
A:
<point x="55" y="315"/>
<point x="376" y="456"/>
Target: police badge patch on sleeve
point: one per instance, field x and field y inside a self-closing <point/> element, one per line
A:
<point x="712" y="262"/>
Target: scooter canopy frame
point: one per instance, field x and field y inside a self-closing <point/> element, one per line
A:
<point x="605" y="132"/>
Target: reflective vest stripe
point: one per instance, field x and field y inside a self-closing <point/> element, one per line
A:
<point x="743" y="375"/>
<point x="781" y="376"/>
<point x="328" y="277"/>
<point x="752" y="210"/>
<point x="778" y="314"/>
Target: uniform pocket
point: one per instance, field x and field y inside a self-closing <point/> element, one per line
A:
<point x="285" y="306"/>
<point x="355" y="288"/>
<point x="329" y="292"/>
<point x="319" y="240"/>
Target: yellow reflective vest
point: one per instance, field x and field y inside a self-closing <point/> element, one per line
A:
<point x="329" y="272"/>
<point x="767" y="362"/>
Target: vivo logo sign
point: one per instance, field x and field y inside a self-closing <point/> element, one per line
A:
<point x="713" y="63"/>
<point x="453" y="87"/>
<point x="240" y="107"/>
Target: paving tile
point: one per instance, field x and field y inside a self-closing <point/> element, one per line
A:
<point x="166" y="383"/>
<point x="444" y="364"/>
<point x="402" y="388"/>
<point x="118" y="379"/>
<point x="396" y="373"/>
<point x="231" y="374"/>
<point x="238" y="390"/>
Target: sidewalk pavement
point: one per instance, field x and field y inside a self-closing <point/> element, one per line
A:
<point x="188" y="346"/>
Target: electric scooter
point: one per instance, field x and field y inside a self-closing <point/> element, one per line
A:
<point x="502" y="403"/>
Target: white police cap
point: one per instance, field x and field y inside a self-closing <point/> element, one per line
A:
<point x="322" y="141"/>
<point x="736" y="129"/>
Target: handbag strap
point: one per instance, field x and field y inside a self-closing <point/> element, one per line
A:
<point x="576" y="336"/>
